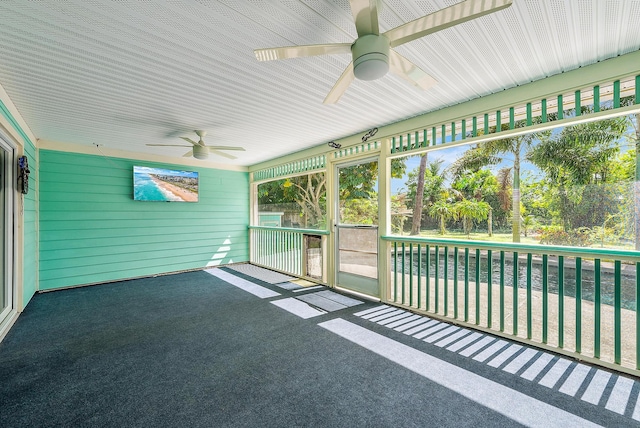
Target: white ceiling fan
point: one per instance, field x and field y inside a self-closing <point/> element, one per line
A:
<point x="372" y="52"/>
<point x="200" y="150"/>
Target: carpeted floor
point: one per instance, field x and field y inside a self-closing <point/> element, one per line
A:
<point x="194" y="349"/>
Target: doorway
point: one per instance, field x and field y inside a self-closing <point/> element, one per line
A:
<point x="7" y="291"/>
<point x="357" y="227"/>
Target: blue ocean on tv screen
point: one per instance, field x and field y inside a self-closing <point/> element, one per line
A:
<point x="146" y="188"/>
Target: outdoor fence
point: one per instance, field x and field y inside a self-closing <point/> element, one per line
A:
<point x="580" y="301"/>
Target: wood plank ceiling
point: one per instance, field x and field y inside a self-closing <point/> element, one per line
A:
<point x="127" y="73"/>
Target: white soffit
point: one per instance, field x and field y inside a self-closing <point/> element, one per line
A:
<point x="128" y="73"/>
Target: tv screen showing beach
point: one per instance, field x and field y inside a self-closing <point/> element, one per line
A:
<point x="164" y="185"/>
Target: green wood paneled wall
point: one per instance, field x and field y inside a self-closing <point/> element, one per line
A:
<point x="91" y="229"/>
<point x="30" y="228"/>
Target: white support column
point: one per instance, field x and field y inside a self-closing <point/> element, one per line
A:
<point x="384" y="216"/>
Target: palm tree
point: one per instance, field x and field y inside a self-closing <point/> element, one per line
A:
<point x="493" y="153"/>
<point x="469" y="210"/>
<point x="443" y="210"/>
<point x="418" y="203"/>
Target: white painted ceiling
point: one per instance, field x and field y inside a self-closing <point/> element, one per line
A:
<point x="122" y="74"/>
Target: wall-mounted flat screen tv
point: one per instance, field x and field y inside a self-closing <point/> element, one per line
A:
<point x="165" y="185"/>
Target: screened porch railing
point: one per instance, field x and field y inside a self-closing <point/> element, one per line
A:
<point x="578" y="301"/>
<point x="287" y="250"/>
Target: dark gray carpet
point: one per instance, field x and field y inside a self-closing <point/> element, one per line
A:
<point x="190" y="350"/>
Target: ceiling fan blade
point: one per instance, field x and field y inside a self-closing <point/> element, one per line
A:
<point x="226" y="155"/>
<point x="226" y="148"/>
<point x="168" y="145"/>
<point x="400" y="66"/>
<point x="189" y="140"/>
<point x="270" y="54"/>
<point x="188" y="154"/>
<point x="445" y="18"/>
<point x="365" y="15"/>
<point x="341" y="85"/>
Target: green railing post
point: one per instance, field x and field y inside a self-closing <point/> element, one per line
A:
<point x="395" y="271"/>
<point x="596" y="309"/>
<point x="445" y="255"/>
<point x="436" y="294"/>
<point x="560" y="301"/>
<point x="501" y="290"/>
<point x="515" y="293"/>
<point x="410" y="272"/>
<point x="477" y="287"/>
<point x="466" y="284"/>
<point x="455" y="282"/>
<point x="427" y="274"/>
<point x="419" y="275"/>
<point x="578" y="304"/>
<point x="490" y="288"/>
<point x="545" y="297"/>
<point x="403" y="275"/>
<point x="617" y="316"/>
<point x="529" y="302"/>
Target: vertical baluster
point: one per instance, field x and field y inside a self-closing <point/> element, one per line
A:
<point x="498" y="121"/>
<point x="544" y="110"/>
<point x="545" y="297"/>
<point x="466" y="284"/>
<point x="486" y="124"/>
<point x="445" y="256"/>
<point x="560" y="301"/>
<point x="427" y="274"/>
<point x="410" y="273"/>
<point x="395" y="271"/>
<point x="463" y="131"/>
<point x="455" y="282"/>
<point x="596" y="309"/>
<point x="512" y="118"/>
<point x="529" y="115"/>
<point x="515" y="294"/>
<point x="474" y="124"/>
<point x="403" y="275"/>
<point x="560" y="108"/>
<point x="419" y="276"/>
<point x="453" y="131"/>
<point x="477" y="286"/>
<point x="433" y="136"/>
<point x="616" y="94"/>
<point x="444" y="134"/>
<point x="436" y="291"/>
<point x="490" y="287"/>
<point x="529" y="302"/>
<point x="596" y="98"/>
<point x="578" y="304"/>
<point x="617" y="315"/>
<point x="578" y="99"/>
<point x="501" y="290"/>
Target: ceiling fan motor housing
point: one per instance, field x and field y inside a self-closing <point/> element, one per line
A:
<point x="370" y="57"/>
<point x="200" y="152"/>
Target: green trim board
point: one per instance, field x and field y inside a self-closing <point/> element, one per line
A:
<point x="92" y="231"/>
<point x="568" y="82"/>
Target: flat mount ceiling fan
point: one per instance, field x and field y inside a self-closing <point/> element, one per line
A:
<point x="372" y="52"/>
<point x="200" y="150"/>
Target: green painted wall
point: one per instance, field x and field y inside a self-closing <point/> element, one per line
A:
<point x="30" y="229"/>
<point x="91" y="229"/>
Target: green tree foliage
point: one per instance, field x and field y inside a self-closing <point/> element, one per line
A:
<point x="582" y="178"/>
<point x="470" y="210"/>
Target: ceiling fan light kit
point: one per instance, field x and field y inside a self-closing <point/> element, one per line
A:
<point x="370" y="57"/>
<point x="372" y="53"/>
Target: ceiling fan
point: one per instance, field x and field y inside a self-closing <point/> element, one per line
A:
<point x="372" y="51"/>
<point x="200" y="150"/>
